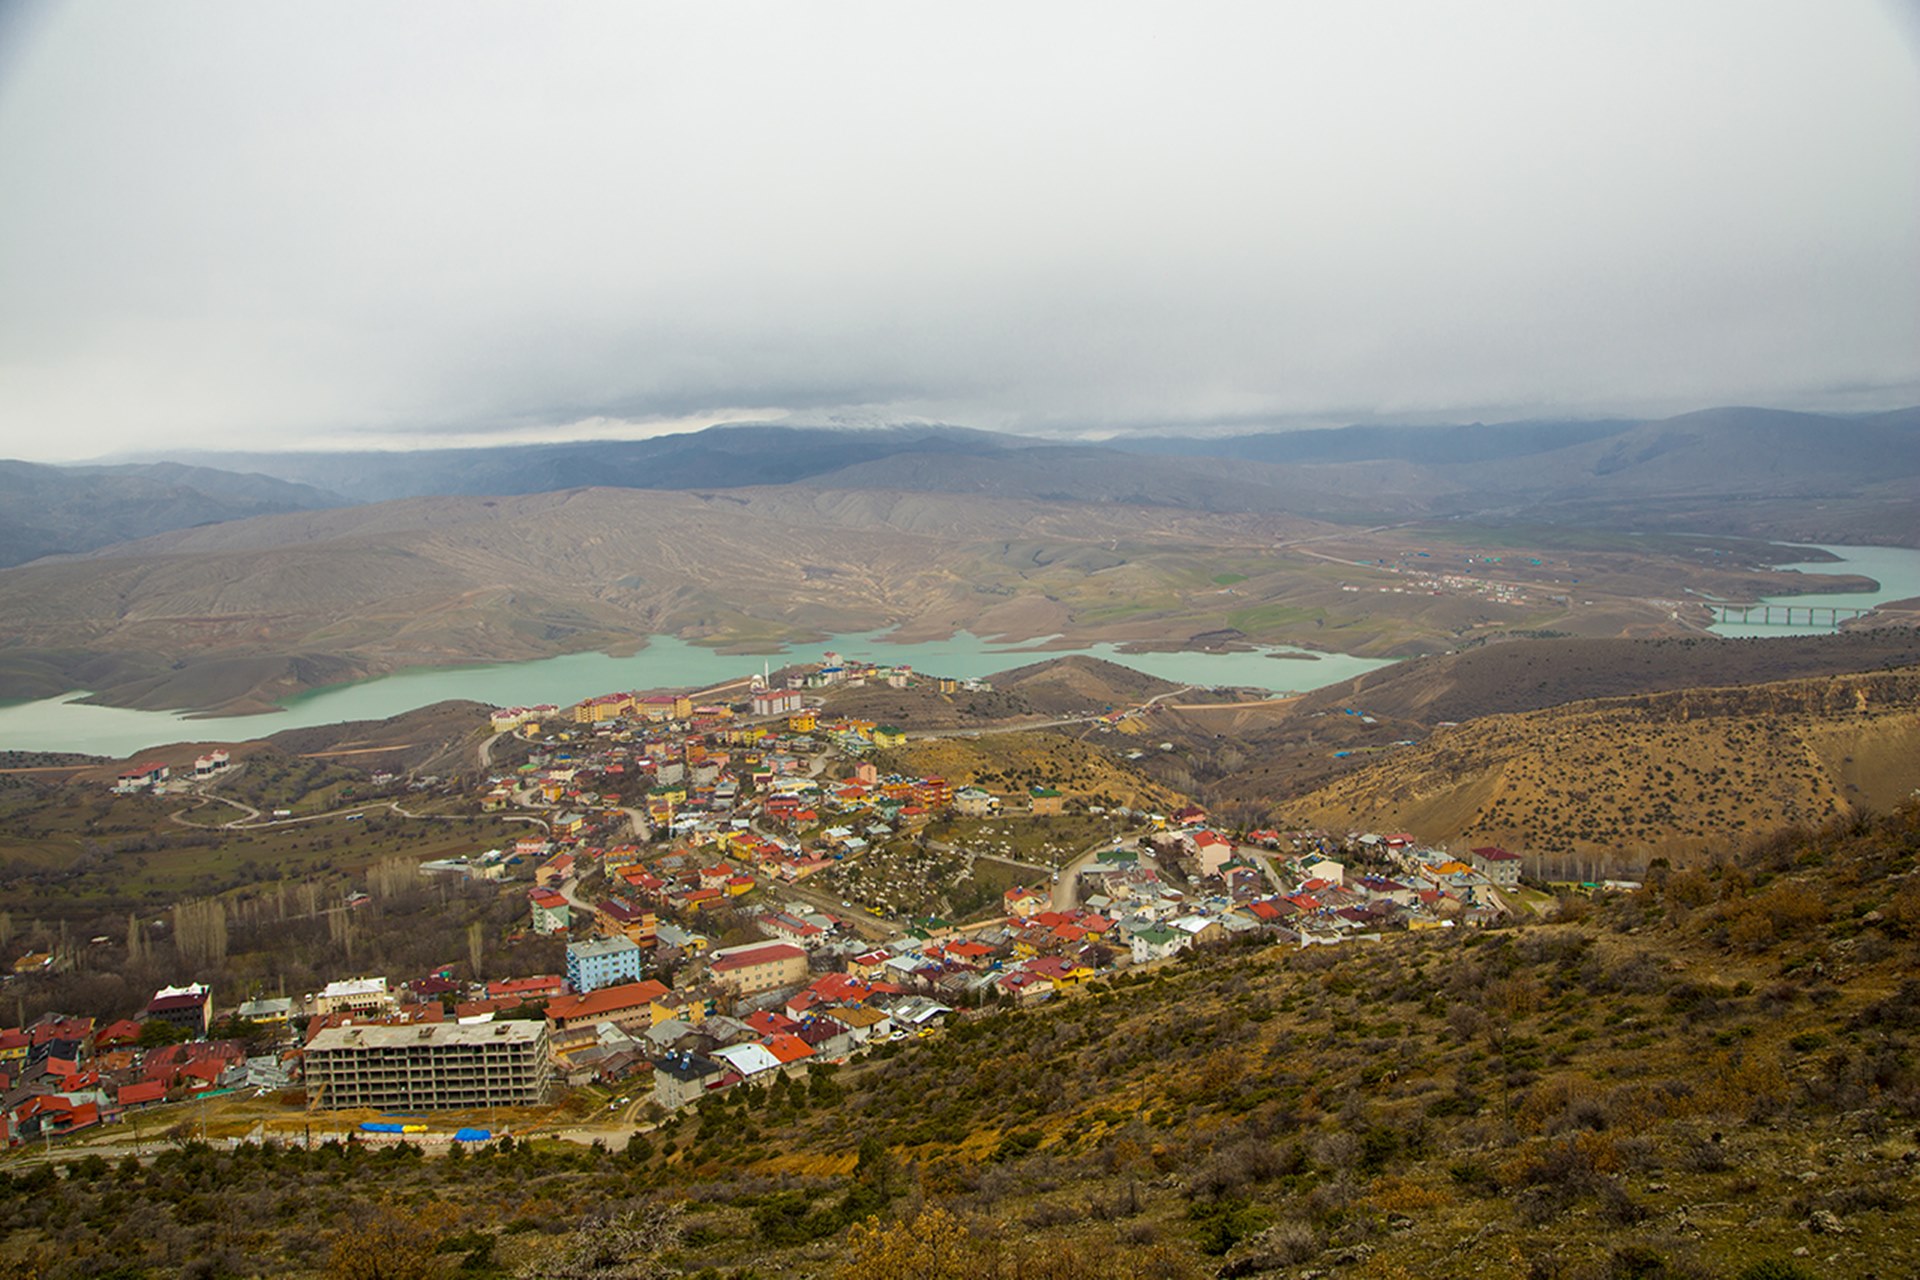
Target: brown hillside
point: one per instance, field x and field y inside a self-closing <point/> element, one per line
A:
<point x="1614" y="783"/>
<point x="1066" y="686"/>
<point x="1057" y="687"/>
<point x="924" y="707"/>
<point x="1527" y="675"/>
<point x="438" y="580"/>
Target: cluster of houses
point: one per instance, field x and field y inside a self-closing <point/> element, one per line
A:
<point x="833" y="669"/>
<point x="811" y="992"/>
<point x="766" y="819"/>
<point x="738" y="794"/>
<point x="64" y="1073"/>
<point x="1294" y="885"/>
<point x="743" y="800"/>
<point x="1426" y="575"/>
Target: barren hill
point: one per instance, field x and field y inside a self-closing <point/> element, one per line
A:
<point x="1247" y="762"/>
<point x="1068" y="686"/>
<point x="438" y="580"/>
<point x="1615" y="782"/>
<point x="1527" y="675"/>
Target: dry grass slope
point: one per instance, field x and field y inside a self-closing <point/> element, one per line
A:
<point x="1620" y="781"/>
<point x="1711" y="1079"/>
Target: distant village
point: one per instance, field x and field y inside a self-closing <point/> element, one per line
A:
<point x="747" y="806"/>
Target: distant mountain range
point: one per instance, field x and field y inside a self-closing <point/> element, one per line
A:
<point x="1753" y="472"/>
<point x="1766" y="460"/>
<point x="718" y="458"/>
<point x="54" y="510"/>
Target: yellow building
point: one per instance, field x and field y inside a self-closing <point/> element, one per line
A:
<point x="752" y="970"/>
<point x="607" y="707"/>
<point x="688" y="1006"/>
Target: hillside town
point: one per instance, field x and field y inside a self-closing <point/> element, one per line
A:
<point x="696" y="859"/>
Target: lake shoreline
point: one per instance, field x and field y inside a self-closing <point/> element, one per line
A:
<point x="67" y="723"/>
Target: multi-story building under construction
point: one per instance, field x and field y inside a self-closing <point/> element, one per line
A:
<point x="440" y="1066"/>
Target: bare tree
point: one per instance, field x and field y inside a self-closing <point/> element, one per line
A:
<point x="391" y="877"/>
<point x="200" y="933"/>
<point x="629" y="1246"/>
<point x="340" y="930"/>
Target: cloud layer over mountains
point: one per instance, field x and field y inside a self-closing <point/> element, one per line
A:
<point x="243" y="226"/>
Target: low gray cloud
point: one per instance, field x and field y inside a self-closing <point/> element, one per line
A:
<point x="348" y="223"/>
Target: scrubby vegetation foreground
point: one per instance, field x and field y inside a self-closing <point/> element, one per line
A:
<point x="1715" y="1076"/>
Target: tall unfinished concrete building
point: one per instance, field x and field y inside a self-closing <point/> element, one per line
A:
<point x="438" y="1066"/>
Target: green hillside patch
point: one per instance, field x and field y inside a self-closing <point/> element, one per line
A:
<point x="1267" y="618"/>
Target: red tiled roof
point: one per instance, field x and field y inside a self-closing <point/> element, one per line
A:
<point x="133" y="1095"/>
<point x="62" y="1029"/>
<point x="479" y="1008"/>
<point x="768" y="1023"/>
<point x="787" y="1047"/>
<point x="125" y="1031"/>
<point x="607" y="1000"/>
<point x="758" y="955"/>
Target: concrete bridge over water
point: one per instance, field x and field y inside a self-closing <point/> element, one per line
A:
<point x="1788" y="615"/>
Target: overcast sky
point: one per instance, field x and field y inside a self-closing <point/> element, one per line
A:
<point x="339" y="224"/>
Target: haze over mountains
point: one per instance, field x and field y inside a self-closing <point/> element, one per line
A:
<point x="1866" y="467"/>
<point x="50" y="510"/>
<point x="1746" y="452"/>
